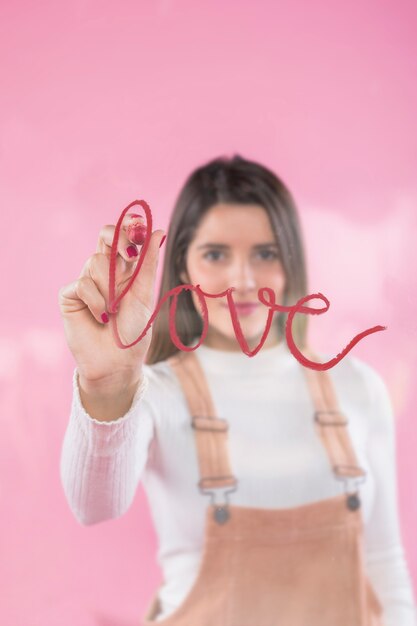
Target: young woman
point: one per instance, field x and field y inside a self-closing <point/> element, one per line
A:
<point x="272" y="486"/>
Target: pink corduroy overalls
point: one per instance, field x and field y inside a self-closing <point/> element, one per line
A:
<point x="301" y="566"/>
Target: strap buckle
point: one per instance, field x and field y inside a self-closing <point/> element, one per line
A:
<point x="222" y="489"/>
<point x="323" y="422"/>
<point x="350" y="480"/>
<point x="221" y="508"/>
<point x="206" y="422"/>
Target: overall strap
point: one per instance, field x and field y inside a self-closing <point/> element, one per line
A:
<point x="332" y="427"/>
<point x="210" y="431"/>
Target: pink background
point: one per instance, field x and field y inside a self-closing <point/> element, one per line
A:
<point x="104" y="103"/>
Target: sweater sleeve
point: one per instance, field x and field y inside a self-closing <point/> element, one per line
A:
<point x="386" y="561"/>
<point x="101" y="463"/>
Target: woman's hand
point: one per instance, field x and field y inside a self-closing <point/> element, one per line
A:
<point x="83" y="301"/>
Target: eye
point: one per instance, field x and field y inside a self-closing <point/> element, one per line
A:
<point x="206" y="255"/>
<point x="269" y="254"/>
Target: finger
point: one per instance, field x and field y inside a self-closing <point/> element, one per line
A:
<point x="97" y="267"/>
<point x="80" y="294"/>
<point x="144" y="282"/>
<point x="127" y="249"/>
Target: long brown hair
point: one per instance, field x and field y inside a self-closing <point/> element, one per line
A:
<point x="238" y="181"/>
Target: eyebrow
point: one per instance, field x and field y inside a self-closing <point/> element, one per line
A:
<point x="224" y="246"/>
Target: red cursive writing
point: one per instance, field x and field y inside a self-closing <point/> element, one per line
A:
<point x="202" y="295"/>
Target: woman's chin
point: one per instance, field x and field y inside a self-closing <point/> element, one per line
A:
<point x="252" y="334"/>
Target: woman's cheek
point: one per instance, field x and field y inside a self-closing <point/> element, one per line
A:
<point x="210" y="280"/>
<point x="276" y="280"/>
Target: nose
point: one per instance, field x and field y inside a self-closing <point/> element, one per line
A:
<point x="243" y="277"/>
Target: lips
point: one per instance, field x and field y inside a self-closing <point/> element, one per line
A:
<point x="245" y="307"/>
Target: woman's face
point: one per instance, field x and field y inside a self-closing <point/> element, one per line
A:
<point x="234" y="246"/>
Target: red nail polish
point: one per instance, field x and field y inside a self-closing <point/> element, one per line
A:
<point x="105" y="317"/>
<point x="162" y="240"/>
<point x="131" y="251"/>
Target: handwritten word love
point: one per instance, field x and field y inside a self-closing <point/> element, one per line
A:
<point x="202" y="295"/>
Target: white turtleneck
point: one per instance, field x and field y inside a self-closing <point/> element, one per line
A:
<point x="274" y="452"/>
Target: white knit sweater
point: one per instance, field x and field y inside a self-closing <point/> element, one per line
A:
<point x="274" y="452"/>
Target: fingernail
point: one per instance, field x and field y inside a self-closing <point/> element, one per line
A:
<point x="105" y="317"/>
<point x="162" y="240"/>
<point x="131" y="251"/>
